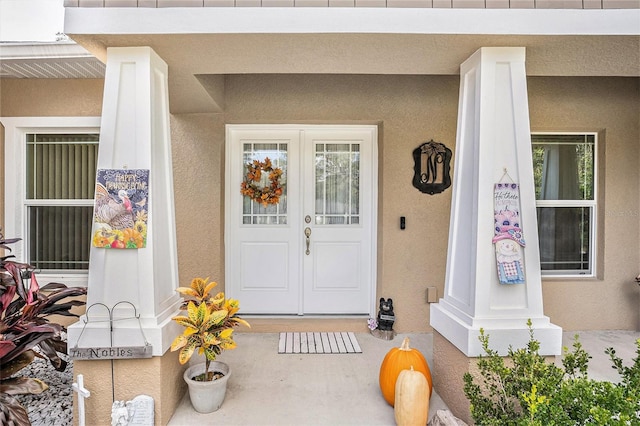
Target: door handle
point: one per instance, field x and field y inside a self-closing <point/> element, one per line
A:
<point x="307" y="233"/>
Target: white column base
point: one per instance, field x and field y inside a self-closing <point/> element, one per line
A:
<point x="463" y="331"/>
<point x="129" y="332"/>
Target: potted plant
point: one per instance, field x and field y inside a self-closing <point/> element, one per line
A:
<point x="209" y="327"/>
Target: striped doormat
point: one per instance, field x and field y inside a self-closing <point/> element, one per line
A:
<point x="318" y="343"/>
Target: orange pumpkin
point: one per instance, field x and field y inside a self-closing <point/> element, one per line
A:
<point x="396" y="360"/>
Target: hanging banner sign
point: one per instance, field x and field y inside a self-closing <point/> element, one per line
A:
<point x="120" y="209"/>
<point x="508" y="239"/>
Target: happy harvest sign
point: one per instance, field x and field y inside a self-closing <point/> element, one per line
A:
<point x="120" y="208"/>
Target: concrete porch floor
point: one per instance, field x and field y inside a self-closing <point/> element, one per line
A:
<point x="267" y="388"/>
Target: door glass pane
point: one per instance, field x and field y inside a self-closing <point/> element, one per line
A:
<point x="337" y="184"/>
<point x="564" y="236"/>
<point x="253" y="212"/>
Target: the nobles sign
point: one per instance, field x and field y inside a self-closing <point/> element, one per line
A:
<point x="113" y="352"/>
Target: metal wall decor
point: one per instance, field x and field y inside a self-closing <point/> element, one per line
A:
<point x="432" y="167"/>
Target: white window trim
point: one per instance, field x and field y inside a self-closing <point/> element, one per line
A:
<point x="593" y="246"/>
<point x="15" y="226"/>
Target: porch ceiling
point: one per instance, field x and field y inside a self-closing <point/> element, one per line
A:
<point x="198" y="60"/>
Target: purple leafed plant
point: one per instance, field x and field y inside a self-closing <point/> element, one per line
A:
<point x="26" y="331"/>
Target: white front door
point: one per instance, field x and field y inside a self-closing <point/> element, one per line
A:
<point x="314" y="251"/>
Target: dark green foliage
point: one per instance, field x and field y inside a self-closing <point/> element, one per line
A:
<point x="525" y="389"/>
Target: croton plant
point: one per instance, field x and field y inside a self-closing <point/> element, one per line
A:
<point x="26" y="331"/>
<point x="208" y="324"/>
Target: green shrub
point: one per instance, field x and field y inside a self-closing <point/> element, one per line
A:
<point x="525" y="389"/>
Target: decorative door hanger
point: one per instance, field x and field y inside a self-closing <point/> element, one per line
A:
<point x="120" y="209"/>
<point x="508" y="239"/>
<point x="431" y="165"/>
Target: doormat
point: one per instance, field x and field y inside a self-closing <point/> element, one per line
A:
<point x="318" y="343"/>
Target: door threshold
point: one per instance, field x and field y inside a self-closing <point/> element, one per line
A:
<point x="310" y="316"/>
<point x="320" y="323"/>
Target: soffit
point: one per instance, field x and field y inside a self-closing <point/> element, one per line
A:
<point x="193" y="57"/>
<point x="48" y="60"/>
<point x="370" y="41"/>
<point x="375" y="53"/>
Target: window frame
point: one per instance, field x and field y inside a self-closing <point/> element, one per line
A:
<point x="15" y="201"/>
<point x="592" y="204"/>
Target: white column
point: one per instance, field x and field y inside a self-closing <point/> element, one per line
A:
<point x="493" y="135"/>
<point x="135" y="134"/>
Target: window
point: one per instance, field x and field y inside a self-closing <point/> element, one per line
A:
<point x="564" y="168"/>
<point x="50" y="181"/>
<point x="60" y="183"/>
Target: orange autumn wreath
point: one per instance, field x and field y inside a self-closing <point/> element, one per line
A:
<point x="250" y="187"/>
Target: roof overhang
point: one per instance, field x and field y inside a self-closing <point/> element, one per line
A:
<point x="201" y="45"/>
<point x="48" y="60"/>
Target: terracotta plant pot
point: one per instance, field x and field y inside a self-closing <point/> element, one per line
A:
<point x="207" y="397"/>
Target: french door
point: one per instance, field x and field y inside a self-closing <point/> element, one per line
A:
<point x="314" y="251"/>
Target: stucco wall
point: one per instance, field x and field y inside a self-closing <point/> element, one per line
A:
<point x="413" y="109"/>
<point x="50" y="97"/>
<point x="158" y="377"/>
<point x="409" y="110"/>
<point x="198" y="167"/>
<point x="612" y="105"/>
<point x="45" y="97"/>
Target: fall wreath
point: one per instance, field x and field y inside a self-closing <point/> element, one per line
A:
<point x="267" y="194"/>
